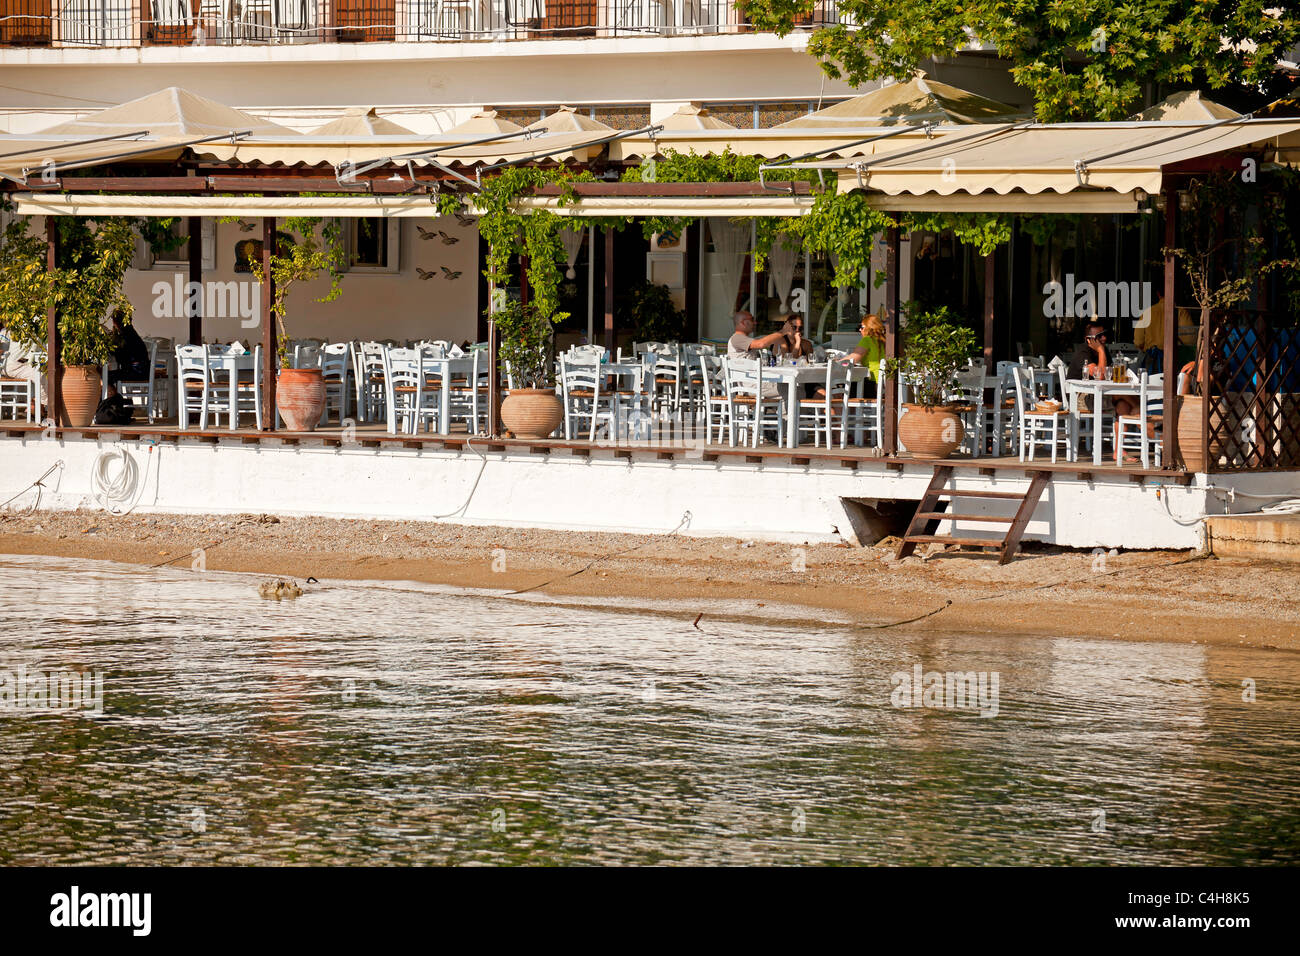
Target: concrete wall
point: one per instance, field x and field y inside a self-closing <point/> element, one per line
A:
<point x="774" y="501"/>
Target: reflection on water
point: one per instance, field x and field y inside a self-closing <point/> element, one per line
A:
<point x="405" y="725"/>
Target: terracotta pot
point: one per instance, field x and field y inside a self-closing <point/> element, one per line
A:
<point x="532" y="412"/>
<point x="300" y="397"/>
<point x="930" y="432"/>
<point x="79" y="391"/>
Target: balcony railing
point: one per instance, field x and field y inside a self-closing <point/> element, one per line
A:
<point x="106" y="23"/>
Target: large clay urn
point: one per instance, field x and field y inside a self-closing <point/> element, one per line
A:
<point x="532" y="412"/>
<point x="930" y="431"/>
<point x="300" y="397"/>
<point x="79" y="391"/>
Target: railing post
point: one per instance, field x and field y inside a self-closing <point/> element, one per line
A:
<point x="193" y="301"/>
<point x="609" y="292"/>
<point x="270" y="350"/>
<point x="1170" y="438"/>
<point x="989" y="279"/>
<point x="53" y="340"/>
<point x="893" y="345"/>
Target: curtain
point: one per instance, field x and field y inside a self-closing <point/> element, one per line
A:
<point x="571" y="237"/>
<point x="731" y="243"/>
<point x="782" y="260"/>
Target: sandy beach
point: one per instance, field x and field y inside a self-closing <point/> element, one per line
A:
<point x="1150" y="595"/>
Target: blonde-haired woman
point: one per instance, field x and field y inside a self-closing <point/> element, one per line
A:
<point x="871" y="347"/>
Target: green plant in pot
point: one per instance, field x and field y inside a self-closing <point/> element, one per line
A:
<point x="935" y="347"/>
<point x="532" y="409"/>
<point x="85" y="288"/>
<point x="309" y="247"/>
<point x="650" y="309"/>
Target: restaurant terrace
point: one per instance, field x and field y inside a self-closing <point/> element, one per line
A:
<point x="655" y="433"/>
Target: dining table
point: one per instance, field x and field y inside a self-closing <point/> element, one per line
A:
<point x="789" y="378"/>
<point x="1098" y="389"/>
<point x="231" y="363"/>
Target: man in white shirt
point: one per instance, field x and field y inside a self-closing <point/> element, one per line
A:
<point x="742" y="341"/>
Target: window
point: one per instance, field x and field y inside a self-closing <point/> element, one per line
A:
<point x="179" y="253"/>
<point x="372" y="244"/>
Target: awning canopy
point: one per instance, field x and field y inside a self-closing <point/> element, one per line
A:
<point x="919" y="100"/>
<point x="1063" y="158"/>
<point x="616" y="202"/>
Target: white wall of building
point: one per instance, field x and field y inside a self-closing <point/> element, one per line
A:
<point x="780" y="501"/>
<point x="400" y="305"/>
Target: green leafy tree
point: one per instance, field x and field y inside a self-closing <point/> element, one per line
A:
<point x="1081" y="59"/>
<point x="85" y="287"/>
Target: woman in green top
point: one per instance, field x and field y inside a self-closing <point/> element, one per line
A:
<point x="871" y="347"/>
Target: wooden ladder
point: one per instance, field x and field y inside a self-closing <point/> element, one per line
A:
<point x="933" y="509"/>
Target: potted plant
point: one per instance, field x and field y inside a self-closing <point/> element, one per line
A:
<point x="532" y="409"/>
<point x="300" y="392"/>
<point x="85" y="289"/>
<point x="650" y="310"/>
<point x="934" y="348"/>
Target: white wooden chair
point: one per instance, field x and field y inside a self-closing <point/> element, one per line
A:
<point x="403" y="384"/>
<point x="248" y="390"/>
<point x="469" y="396"/>
<point x="334" y="362"/>
<point x="196" y="393"/>
<point x="862" y="415"/>
<point x="1133" y="431"/>
<point x="750" y="406"/>
<point x="581" y="391"/>
<point x="17" y="397"/>
<point x="820" y="414"/>
<point x="368" y="381"/>
<point x="1050" y="429"/>
<point x="714" y="402"/>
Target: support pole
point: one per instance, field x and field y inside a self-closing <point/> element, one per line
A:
<point x="494" y="363"/>
<point x="1171" y="330"/>
<point x="893" y="345"/>
<point x="53" y="341"/>
<point x="989" y="278"/>
<point x="270" y="350"/>
<point x="523" y="281"/>
<point x="609" y="292"/>
<point x="195" y="302"/>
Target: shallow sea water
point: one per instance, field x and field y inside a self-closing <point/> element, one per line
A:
<point x="408" y="724"/>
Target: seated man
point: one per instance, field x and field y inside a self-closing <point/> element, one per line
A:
<point x="1091" y="359"/>
<point x="742" y="341"/>
<point x="1091" y="355"/>
<point x="130" y="354"/>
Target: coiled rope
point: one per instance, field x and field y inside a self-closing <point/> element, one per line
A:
<point x="112" y="489"/>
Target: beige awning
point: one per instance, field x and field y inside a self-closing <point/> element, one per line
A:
<point x="170" y="113"/>
<point x="362" y="123"/>
<point x="764" y="143"/>
<point x="692" y="116"/>
<point x="1188" y="106"/>
<point x="919" y="100"/>
<point x="1063" y="158"/>
<point x="402" y="207"/>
